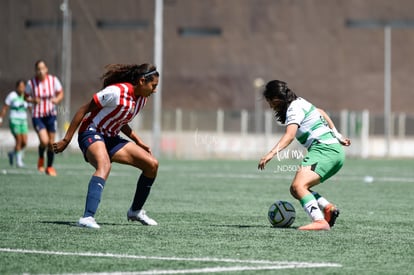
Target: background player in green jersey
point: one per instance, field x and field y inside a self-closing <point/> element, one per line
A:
<point x="17" y="121"/>
<point x="313" y="128"/>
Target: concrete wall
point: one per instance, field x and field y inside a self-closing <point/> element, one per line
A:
<point x="208" y="145"/>
<point x="305" y="43"/>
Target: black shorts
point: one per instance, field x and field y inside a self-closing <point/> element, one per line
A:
<point x="48" y="122"/>
<point x="112" y="144"/>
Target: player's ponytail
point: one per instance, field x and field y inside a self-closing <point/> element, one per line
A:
<point x="277" y="90"/>
<point x="119" y="73"/>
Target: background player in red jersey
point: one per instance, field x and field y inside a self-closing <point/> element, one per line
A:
<point x="44" y="91"/>
<point x="125" y="92"/>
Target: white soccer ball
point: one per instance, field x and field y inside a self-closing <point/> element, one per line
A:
<point x="281" y="214"/>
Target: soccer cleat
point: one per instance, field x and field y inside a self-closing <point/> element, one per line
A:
<point x="51" y="171"/>
<point x="140" y="216"/>
<point x="331" y="213"/>
<point x="20" y="165"/>
<point x="88" y="222"/>
<point x="316" y="225"/>
<point x="11" y="157"/>
<point x="40" y="165"/>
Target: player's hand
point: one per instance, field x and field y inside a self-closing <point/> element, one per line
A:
<point x="60" y="146"/>
<point x="264" y="160"/>
<point x="145" y="147"/>
<point x="345" y="141"/>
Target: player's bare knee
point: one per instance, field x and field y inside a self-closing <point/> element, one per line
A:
<point x="294" y="191"/>
<point x="103" y="170"/>
<point x="152" y="168"/>
<point x="154" y="165"/>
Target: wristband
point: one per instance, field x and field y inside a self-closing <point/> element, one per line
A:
<point x="1" y="120"/>
<point x="336" y="133"/>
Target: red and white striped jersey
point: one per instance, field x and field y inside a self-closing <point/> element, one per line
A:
<point x="117" y="106"/>
<point x="45" y="90"/>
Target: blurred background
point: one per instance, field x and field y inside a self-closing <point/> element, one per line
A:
<point x="353" y="58"/>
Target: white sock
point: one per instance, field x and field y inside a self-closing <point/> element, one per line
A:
<point x="322" y="202"/>
<point x="313" y="210"/>
<point x="19" y="158"/>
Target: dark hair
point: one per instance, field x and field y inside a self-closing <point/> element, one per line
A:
<point x="38" y="62"/>
<point x="18" y="82"/>
<point x="119" y="73"/>
<point x="278" y="90"/>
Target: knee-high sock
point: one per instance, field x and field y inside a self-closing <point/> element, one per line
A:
<point x="310" y="205"/>
<point x="144" y="185"/>
<point x="50" y="158"/>
<point x="322" y="202"/>
<point x="41" y="151"/>
<point x="95" y="188"/>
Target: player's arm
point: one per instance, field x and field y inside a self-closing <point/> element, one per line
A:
<point x="58" y="98"/>
<point x="28" y="95"/>
<point x="127" y="130"/>
<point x="61" y="145"/>
<point x="3" y="113"/>
<point x="343" y="140"/>
<point x="31" y="99"/>
<point x="284" y="141"/>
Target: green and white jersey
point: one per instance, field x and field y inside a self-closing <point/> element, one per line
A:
<point x="17" y="104"/>
<point x="312" y="125"/>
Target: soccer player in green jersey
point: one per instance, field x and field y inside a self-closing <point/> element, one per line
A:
<point x="17" y="121"/>
<point x="313" y="128"/>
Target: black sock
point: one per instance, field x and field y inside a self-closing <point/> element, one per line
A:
<point x="50" y="158"/>
<point x="41" y="151"/>
<point x="144" y="185"/>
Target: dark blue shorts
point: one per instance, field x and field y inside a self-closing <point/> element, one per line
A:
<point x="48" y="122"/>
<point x="112" y="144"/>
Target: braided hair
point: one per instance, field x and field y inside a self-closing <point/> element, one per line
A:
<point x="131" y="73"/>
<point x="277" y="90"/>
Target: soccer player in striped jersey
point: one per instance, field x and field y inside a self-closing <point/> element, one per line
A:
<point x="125" y="92"/>
<point x="17" y="121"/>
<point x="44" y="91"/>
<point x="313" y="128"/>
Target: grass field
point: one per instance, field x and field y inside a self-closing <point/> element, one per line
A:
<point x="212" y="219"/>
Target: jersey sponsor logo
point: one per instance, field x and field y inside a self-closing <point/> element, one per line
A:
<point x="312" y="208"/>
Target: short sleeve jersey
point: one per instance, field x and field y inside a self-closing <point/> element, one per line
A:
<point x="312" y="125"/>
<point x="18" y="106"/>
<point x="117" y="106"/>
<point x="45" y="90"/>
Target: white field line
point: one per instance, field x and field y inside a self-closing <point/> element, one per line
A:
<point x="88" y="172"/>
<point x="139" y="257"/>
<point x="262" y="264"/>
<point x="217" y="269"/>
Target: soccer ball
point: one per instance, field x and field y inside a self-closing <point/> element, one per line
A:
<point x="281" y="214"/>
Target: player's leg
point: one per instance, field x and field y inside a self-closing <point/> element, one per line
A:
<point x="51" y="124"/>
<point x="325" y="160"/>
<point x="13" y="129"/>
<point x="304" y="179"/>
<point x="43" y="137"/>
<point x="330" y="211"/>
<point x="19" y="150"/>
<point x="134" y="155"/>
<point x="98" y="157"/>
<point x="21" y="141"/>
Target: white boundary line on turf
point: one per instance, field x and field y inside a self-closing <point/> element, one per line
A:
<point x="202" y="270"/>
<point x="266" y="265"/>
